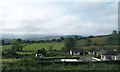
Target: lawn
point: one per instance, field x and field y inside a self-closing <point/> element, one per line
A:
<point x="36" y="46"/>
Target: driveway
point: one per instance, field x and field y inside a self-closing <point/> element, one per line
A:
<point x="87" y="59"/>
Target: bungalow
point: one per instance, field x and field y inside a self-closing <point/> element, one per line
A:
<point x="96" y="51"/>
<point x="76" y="51"/>
<point x="111" y="55"/>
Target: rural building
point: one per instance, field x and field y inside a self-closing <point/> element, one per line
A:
<point x="91" y="51"/>
<point x="111" y="55"/>
<point x="97" y="51"/>
<point x="76" y="51"/>
<point x="39" y="55"/>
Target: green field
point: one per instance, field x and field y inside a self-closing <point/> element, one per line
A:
<point x="4" y="47"/>
<point x="58" y="45"/>
<point x="36" y="46"/>
<point x="98" y="40"/>
<point x="10" y="60"/>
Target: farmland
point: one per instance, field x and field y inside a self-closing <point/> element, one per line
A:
<point x="23" y="54"/>
<point x="36" y="46"/>
<point x="58" y="45"/>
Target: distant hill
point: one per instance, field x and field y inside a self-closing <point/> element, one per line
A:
<point x="58" y="45"/>
<point x="36" y="36"/>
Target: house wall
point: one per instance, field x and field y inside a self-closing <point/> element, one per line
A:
<point x="118" y="57"/>
<point x="92" y="53"/>
<point x="103" y="57"/>
<point x="101" y="52"/>
<point x="38" y="55"/>
<point x="71" y="52"/>
<point x="76" y="53"/>
<point x="108" y="57"/>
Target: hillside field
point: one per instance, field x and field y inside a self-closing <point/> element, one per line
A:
<point x="58" y="45"/>
<point x="36" y="46"/>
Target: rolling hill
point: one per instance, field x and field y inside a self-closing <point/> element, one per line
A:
<point x="58" y="45"/>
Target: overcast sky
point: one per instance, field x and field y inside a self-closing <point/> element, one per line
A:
<point x="51" y="17"/>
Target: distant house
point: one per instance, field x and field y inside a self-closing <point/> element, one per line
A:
<point x="39" y="55"/>
<point x="76" y="51"/>
<point x="96" y="51"/>
<point x="111" y="55"/>
<point x="100" y="52"/>
<point x="91" y="51"/>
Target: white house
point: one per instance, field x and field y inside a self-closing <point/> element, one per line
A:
<point x="76" y="51"/>
<point x="39" y="55"/>
<point x="111" y="55"/>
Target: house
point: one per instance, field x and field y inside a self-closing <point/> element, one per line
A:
<point x="111" y="55"/>
<point x="39" y="55"/>
<point x="100" y="52"/>
<point x="91" y="51"/>
<point x="76" y="51"/>
<point x="97" y="51"/>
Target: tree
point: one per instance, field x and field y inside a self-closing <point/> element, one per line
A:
<point x="19" y="40"/>
<point x="69" y="43"/>
<point x="62" y="38"/>
<point x="90" y="36"/>
<point x="76" y="37"/>
<point x="41" y="51"/>
<point x="89" y="42"/>
<point x="113" y="38"/>
<point x="58" y="40"/>
<point x="13" y="47"/>
<point x="3" y="42"/>
<point x="17" y="45"/>
<point x="114" y="32"/>
<point x="51" y="48"/>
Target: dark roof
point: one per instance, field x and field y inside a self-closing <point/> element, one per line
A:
<point x="77" y="49"/>
<point x="112" y="53"/>
<point x="95" y="49"/>
<point x="91" y="50"/>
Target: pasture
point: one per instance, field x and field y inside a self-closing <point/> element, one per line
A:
<point x="36" y="46"/>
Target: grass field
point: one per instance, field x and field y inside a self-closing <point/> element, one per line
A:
<point x="98" y="40"/>
<point x="4" y="47"/>
<point x="36" y="46"/>
<point x="58" y="45"/>
<point x="9" y="60"/>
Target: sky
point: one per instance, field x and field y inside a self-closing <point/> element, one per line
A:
<point x="58" y="17"/>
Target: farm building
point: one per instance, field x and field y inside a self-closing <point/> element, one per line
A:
<point x="111" y="55"/>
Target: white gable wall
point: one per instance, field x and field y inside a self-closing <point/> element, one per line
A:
<point x="118" y="57"/>
<point x="70" y="52"/>
<point x="106" y="57"/>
